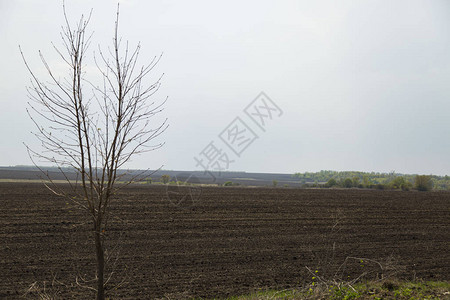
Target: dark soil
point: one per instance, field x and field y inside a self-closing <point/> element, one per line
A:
<point x="224" y="241"/>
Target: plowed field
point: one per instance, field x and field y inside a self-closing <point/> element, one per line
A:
<point x="226" y="241"/>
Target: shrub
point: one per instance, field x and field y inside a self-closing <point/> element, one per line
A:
<point x="423" y="183"/>
<point x="397" y="182"/>
<point x="165" y="179"/>
<point x="406" y="186"/>
<point x="275" y="182"/>
<point x="366" y="181"/>
<point x="355" y="181"/>
<point x="332" y="182"/>
<point x="228" y="183"/>
<point x="348" y="183"/>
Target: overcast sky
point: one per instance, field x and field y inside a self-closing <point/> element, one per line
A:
<point x="355" y="85"/>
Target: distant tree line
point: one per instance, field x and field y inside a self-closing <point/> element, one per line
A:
<point x="373" y="180"/>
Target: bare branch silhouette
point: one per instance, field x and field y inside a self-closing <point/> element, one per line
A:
<point x="94" y="132"/>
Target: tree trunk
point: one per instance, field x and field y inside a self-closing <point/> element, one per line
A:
<point x="100" y="264"/>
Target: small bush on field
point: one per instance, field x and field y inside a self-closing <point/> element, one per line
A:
<point x="400" y="183"/>
<point x="397" y="182"/>
<point x="423" y="183"/>
<point x="348" y="183"/>
<point x="165" y="179"/>
<point x="355" y="181"/>
<point x="332" y="182"/>
<point x="406" y="186"/>
<point x="228" y="183"/>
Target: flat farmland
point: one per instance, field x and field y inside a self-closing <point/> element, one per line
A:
<point x="222" y="242"/>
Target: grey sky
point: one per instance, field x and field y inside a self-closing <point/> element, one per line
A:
<point x="363" y="85"/>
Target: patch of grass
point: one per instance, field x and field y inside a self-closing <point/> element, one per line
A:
<point x="389" y="289"/>
<point x="408" y="290"/>
<point x="269" y="294"/>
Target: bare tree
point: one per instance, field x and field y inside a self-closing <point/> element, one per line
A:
<point x="94" y="129"/>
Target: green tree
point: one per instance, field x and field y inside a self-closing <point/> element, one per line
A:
<point x="423" y="183"/>
<point x="406" y="186"/>
<point x="397" y="182"/>
<point x="275" y="183"/>
<point x="332" y="182"/>
<point x="355" y="181"/>
<point x="165" y="178"/>
<point x="348" y="183"/>
<point x="366" y="181"/>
